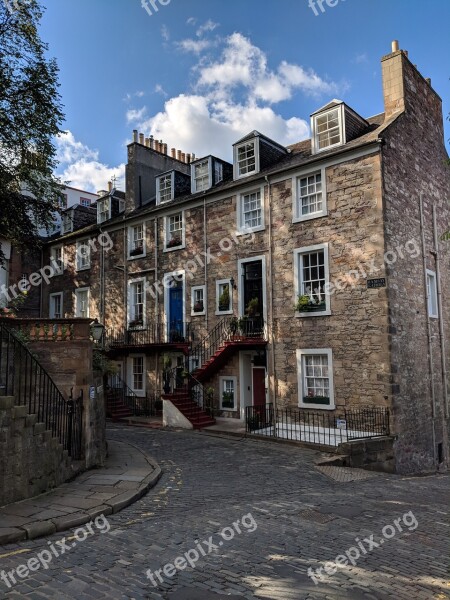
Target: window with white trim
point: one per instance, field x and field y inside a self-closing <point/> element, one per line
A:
<point x="224" y="304"/>
<point x="310" y="197"/>
<point x="433" y="311"/>
<point x="83" y="256"/>
<point x="246" y="159"/>
<point x="136" y="241"/>
<point x="311" y="275"/>
<point x="201" y="176"/>
<point x="67" y="222"/>
<point x="55" y="309"/>
<point x="82" y="303"/>
<point x="136" y="303"/>
<point x="103" y="210"/>
<point x="165" y="188"/>
<point x="198" y="300"/>
<point x="315" y="378"/>
<point x="228" y="391"/>
<point x="57" y="259"/>
<point x="85" y="202"/>
<point x="218" y="172"/>
<point x="328" y="129"/>
<point x="251" y="211"/>
<point x="174" y="231"/>
<point x="137" y="374"/>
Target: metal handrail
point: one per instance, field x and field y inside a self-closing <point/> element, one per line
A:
<point x="24" y="378"/>
<point x="151" y="333"/>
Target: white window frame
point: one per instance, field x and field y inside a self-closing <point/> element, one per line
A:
<point x="81" y="265"/>
<point x="296" y="196"/>
<point x="130" y="304"/>
<point x="301" y="377"/>
<point x="222" y="381"/>
<point x="100" y="213"/>
<point x="131" y="229"/>
<point x="194" y="188"/>
<point x="78" y="292"/>
<point x="242" y="229"/>
<point x="54" y="260"/>
<point x="432" y="296"/>
<point x="220" y="282"/>
<point x="218" y="172"/>
<point x="167" y="231"/>
<point x="67" y="218"/>
<point x="298" y="279"/>
<point x="237" y="173"/>
<point x="139" y="392"/>
<point x="86" y="202"/>
<point x="172" y="187"/>
<point x="51" y="312"/>
<point x="193" y="290"/>
<point x="314" y="129"/>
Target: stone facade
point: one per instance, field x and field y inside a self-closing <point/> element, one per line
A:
<point x="375" y="325"/>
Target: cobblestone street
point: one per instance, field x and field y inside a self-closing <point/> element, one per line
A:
<point x="304" y="518"/>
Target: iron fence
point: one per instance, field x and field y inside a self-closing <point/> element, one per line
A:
<point x="325" y="428"/>
<point x="22" y="377"/>
<point x="176" y="332"/>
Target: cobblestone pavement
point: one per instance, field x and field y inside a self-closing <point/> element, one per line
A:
<point x="303" y="519"/>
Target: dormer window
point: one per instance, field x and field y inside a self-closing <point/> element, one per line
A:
<point x="103" y="210"/>
<point x="328" y="129"/>
<point x="67" y="223"/>
<point x="165" y="188"/>
<point x="200" y="176"/>
<point x="246" y="159"/>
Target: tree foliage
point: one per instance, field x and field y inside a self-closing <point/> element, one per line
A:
<point x="30" y="118"/>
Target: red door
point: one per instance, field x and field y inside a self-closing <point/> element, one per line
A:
<point x="259" y="389"/>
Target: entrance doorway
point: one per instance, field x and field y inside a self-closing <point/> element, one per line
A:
<point x="176" y="310"/>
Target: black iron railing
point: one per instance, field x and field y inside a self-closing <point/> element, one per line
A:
<point x="326" y="428"/>
<point x="22" y="377"/>
<point x="119" y="394"/>
<point x="227" y="330"/>
<point x="149" y="334"/>
<point x="182" y="384"/>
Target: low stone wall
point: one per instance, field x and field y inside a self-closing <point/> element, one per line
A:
<point x="373" y="454"/>
<point x="32" y="461"/>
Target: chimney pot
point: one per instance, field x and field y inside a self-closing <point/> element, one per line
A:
<point x="165" y="148"/>
<point x="428" y="80"/>
<point x="109" y="186"/>
<point x="147" y="142"/>
<point x="188" y="159"/>
<point x="395" y="46"/>
<point x="135" y="136"/>
<point x="173" y="153"/>
<point x="179" y="154"/>
<point x="183" y="157"/>
<point x="193" y="157"/>
<point x="141" y="138"/>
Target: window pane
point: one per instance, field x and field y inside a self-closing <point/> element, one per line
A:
<point x="309" y="195"/>
<point x="251" y="210"/>
<point x="246" y="158"/>
<point x="316" y="379"/>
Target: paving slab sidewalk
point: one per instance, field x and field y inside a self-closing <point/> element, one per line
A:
<point x="126" y="477"/>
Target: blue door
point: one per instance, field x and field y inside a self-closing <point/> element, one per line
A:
<point x="176" y="329"/>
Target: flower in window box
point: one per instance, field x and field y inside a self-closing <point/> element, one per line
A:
<point x="316" y="400"/>
<point x="174" y="242"/>
<point x="198" y="307"/>
<point x="137" y="251"/>
<point x="310" y="303"/>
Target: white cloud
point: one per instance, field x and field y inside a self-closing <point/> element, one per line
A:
<point x="191" y="21"/>
<point x="134" y="114"/>
<point x="80" y="165"/>
<point x="160" y="90"/>
<point x="208" y="26"/>
<point x="165" y="34"/>
<point x="232" y="95"/>
<point x="194" y="46"/>
<point x="361" y="59"/>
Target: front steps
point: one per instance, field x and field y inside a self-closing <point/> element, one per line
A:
<point x="189" y="409"/>
<point x="116" y="409"/>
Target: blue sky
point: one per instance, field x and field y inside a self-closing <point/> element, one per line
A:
<point x="200" y="74"/>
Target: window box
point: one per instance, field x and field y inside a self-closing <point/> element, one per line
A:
<point x="174" y="242"/>
<point x="308" y="304"/>
<point x="136" y="323"/>
<point x="198" y="307"/>
<point x="137" y="251"/>
<point x="316" y="400"/>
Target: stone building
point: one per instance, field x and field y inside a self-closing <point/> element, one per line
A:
<point x="313" y="276"/>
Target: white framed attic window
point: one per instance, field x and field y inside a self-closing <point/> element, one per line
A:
<point x="315" y="378"/>
<point x="246" y="159"/>
<point x="433" y="311"/>
<point x="310" y="199"/>
<point x="103" y="210"/>
<point x="201" y="176"/>
<point x="328" y="129"/>
<point x="165" y="187"/>
<point x="67" y="222"/>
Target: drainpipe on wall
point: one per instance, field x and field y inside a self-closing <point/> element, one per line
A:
<point x="440" y="311"/>
<point x="270" y="328"/>
<point x="155" y="235"/>
<point x="205" y="237"/>
<point x="430" y="349"/>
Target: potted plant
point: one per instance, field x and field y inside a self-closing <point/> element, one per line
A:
<point x="137" y="251"/>
<point x="224" y="299"/>
<point x="198" y="307"/>
<point x="227" y="400"/>
<point x="306" y="303"/>
<point x="316" y="400"/>
<point x="252" y="307"/>
<point x="174" y="242"/>
<point x="234" y="326"/>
